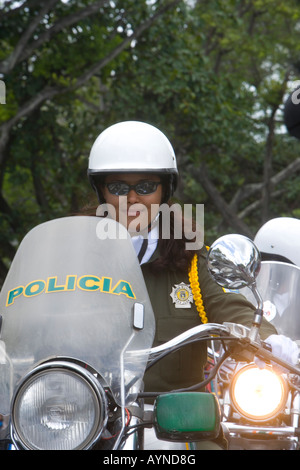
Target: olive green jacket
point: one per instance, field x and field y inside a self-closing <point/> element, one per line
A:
<point x="185" y="367"/>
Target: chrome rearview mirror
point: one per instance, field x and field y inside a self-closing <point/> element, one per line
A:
<point x="234" y="262"/>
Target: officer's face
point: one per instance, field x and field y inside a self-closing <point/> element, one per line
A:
<point x="136" y="208"/>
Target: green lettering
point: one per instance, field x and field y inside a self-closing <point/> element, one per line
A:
<point x="106" y="284"/>
<point x="52" y="287"/>
<point x="34" y="288"/>
<point x="89" y="283"/>
<point x="13" y="294"/>
<point x="71" y="282"/>
<point x="123" y="287"/>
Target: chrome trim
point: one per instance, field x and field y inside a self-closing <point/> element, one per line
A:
<point x="267" y="430"/>
<point x="193" y="333"/>
<point x="77" y="370"/>
<point x="257" y="419"/>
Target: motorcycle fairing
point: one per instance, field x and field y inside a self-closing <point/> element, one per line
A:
<point x="279" y="286"/>
<point x="70" y="292"/>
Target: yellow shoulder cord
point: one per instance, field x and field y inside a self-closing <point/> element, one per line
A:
<point x="194" y="282"/>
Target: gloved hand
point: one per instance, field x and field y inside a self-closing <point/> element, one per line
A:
<point x="283" y="347"/>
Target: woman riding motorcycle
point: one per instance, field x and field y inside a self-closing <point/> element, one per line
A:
<point x="132" y="168"/>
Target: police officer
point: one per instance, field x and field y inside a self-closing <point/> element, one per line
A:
<point x="132" y="167"/>
<point x="278" y="240"/>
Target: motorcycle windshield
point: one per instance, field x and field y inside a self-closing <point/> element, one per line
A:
<point x="71" y="291"/>
<point x="279" y="285"/>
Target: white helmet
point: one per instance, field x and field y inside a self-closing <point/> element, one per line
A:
<point x="279" y="239"/>
<point x="130" y="147"/>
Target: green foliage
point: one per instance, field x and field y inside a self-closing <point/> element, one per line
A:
<point x="212" y="76"/>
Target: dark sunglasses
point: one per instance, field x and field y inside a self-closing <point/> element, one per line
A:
<point x="122" y="189"/>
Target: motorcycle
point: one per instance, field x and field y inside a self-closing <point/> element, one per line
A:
<point x="260" y="408"/>
<point x="77" y="328"/>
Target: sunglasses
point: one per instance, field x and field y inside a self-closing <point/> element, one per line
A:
<point x="142" y="189"/>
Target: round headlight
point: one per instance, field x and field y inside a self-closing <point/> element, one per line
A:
<point x="59" y="406"/>
<point x="258" y="394"/>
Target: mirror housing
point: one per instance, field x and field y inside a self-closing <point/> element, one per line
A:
<point x="186" y="416"/>
<point x="234" y="261"/>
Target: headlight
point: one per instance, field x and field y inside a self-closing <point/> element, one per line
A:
<point x="258" y="394"/>
<point x="58" y="406"/>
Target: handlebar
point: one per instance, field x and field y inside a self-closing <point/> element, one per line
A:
<point x="239" y="335"/>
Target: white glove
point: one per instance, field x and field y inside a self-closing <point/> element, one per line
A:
<point x="283" y="347"/>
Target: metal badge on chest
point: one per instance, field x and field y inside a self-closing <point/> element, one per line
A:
<point x="182" y="295"/>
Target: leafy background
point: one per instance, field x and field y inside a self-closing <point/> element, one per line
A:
<point x="212" y="75"/>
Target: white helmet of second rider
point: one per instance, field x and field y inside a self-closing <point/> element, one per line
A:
<point x="129" y="147"/>
<point x="279" y="239"/>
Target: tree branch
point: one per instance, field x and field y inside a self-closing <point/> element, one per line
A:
<point x="118" y="49"/>
<point x="16" y="9"/>
<point x="250" y="189"/>
<point x="257" y="204"/>
<point x="23" y="51"/>
<point x="57" y="27"/>
<point x="26" y="109"/>
<point x="8" y="64"/>
<point x="228" y="214"/>
<point x="50" y="92"/>
<point x="291" y="169"/>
